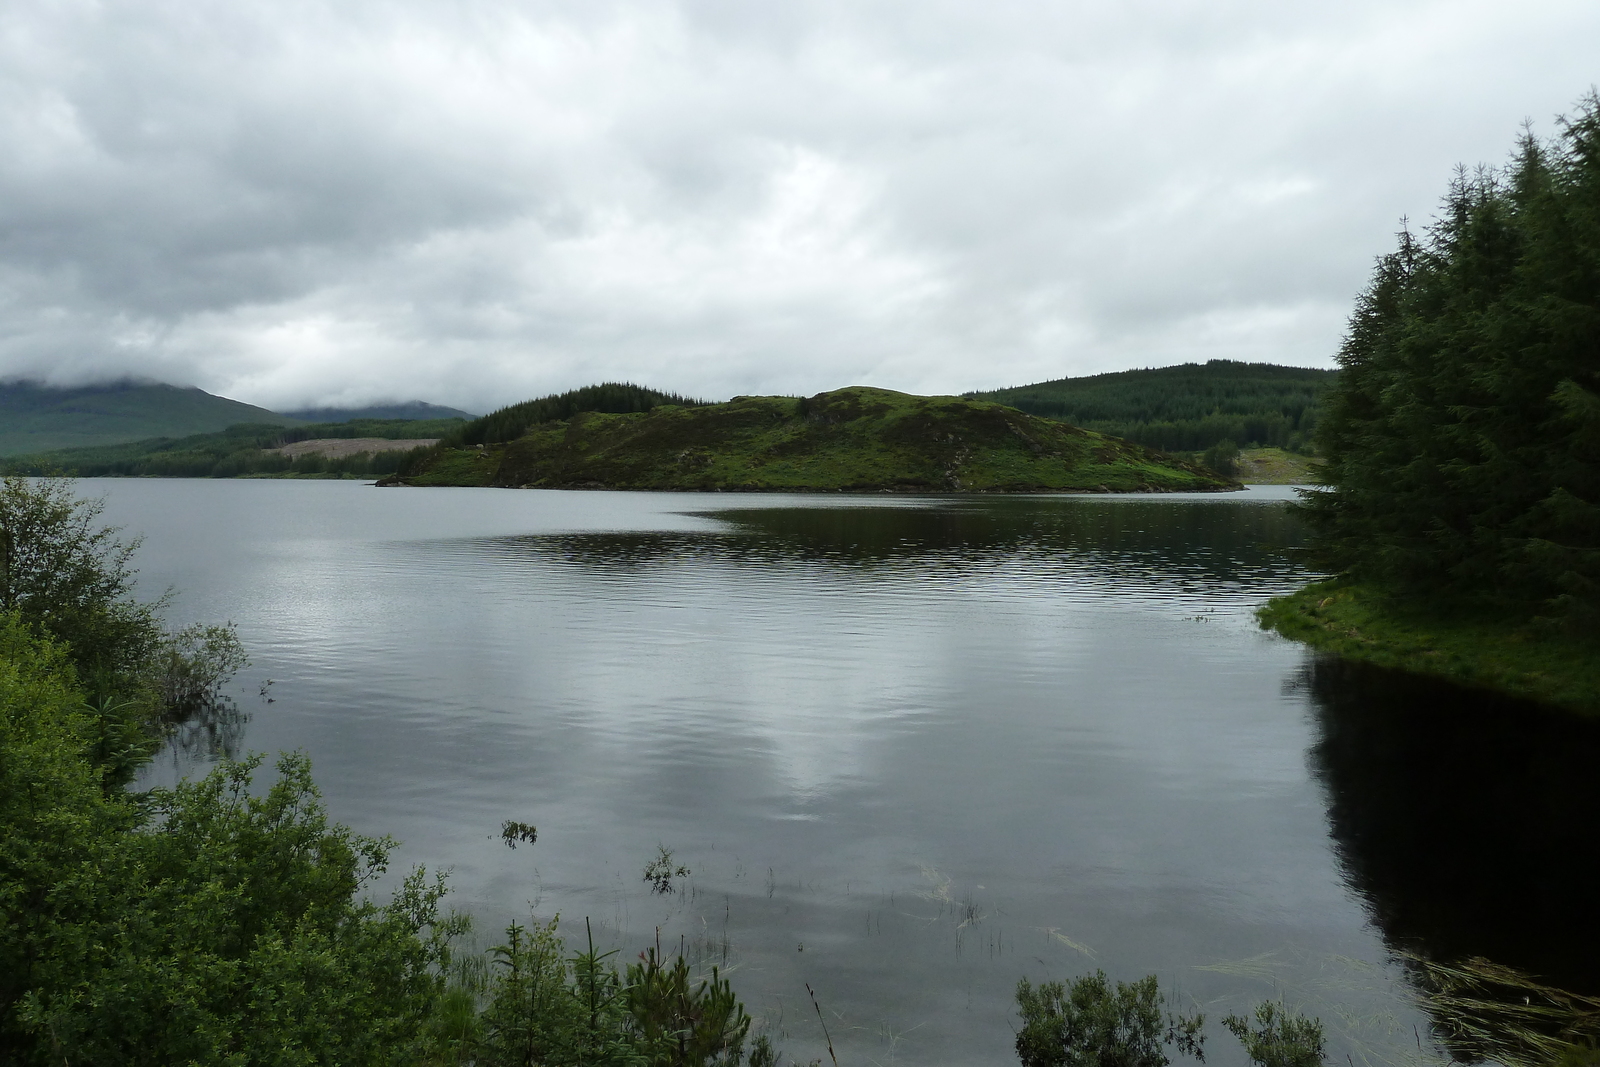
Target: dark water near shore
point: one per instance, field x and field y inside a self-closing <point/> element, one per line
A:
<point x="911" y="749"/>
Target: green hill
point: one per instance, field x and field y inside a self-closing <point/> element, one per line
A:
<point x="856" y="439"/>
<point x="39" y="418"/>
<point x="1185" y="408"/>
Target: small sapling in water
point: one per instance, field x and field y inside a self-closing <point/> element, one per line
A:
<point x="660" y="871"/>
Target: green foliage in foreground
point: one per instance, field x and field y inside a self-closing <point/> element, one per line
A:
<point x="217" y="923"/>
<point x="222" y="923"/>
<point x="542" y="1006"/>
<point x="1478" y="647"/>
<point x="195" y="925"/>
<point x="63" y="571"/>
<point x="1187" y="408"/>
<point x="1088" y="1022"/>
<point x="238" y="451"/>
<point x="67" y="576"/>
<point x="1463" y="438"/>
<point x="855" y="439"/>
<point x="1277" y="1037"/>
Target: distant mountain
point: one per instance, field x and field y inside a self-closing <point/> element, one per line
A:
<point x="416" y="409"/>
<point x="1185" y="408"/>
<point x="39" y="418"/>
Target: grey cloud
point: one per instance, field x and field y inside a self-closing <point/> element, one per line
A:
<point x="306" y="202"/>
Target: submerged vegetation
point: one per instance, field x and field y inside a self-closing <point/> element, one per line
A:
<point x="1484" y="1011"/>
<point x="1461" y="507"/>
<point x="1088" y="1022"/>
<point x="1187" y="408"/>
<point x="856" y="439"/>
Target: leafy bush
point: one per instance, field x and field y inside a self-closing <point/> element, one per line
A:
<point x="542" y="1006"/>
<point x="1088" y="1023"/>
<point x="195" y="662"/>
<point x="63" y="572"/>
<point x="1279" y="1038"/>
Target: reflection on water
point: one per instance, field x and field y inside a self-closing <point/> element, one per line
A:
<point x="207" y="730"/>
<point x="1469" y="823"/>
<point x="912" y="749"/>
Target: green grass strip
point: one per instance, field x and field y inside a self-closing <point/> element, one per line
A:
<point x="1473" y="648"/>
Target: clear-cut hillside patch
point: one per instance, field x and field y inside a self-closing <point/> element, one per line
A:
<point x="340" y="447"/>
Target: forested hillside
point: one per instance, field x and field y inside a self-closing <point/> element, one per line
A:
<point x="613" y="398"/>
<point x="1185" y="408"/>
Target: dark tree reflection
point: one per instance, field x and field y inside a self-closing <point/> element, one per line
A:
<point x="208" y="729"/>
<point x="1469" y="824"/>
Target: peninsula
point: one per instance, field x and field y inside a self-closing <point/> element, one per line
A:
<point x="857" y="439"/>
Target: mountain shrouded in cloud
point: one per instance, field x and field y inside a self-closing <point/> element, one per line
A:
<point x="306" y="203"/>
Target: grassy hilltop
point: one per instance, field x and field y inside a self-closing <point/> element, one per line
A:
<point x="855" y="439"/>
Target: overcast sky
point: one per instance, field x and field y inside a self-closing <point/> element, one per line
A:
<point x="295" y="202"/>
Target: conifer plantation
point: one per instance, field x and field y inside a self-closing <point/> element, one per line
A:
<point x="1462" y="440"/>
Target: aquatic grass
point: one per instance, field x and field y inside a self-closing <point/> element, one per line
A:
<point x="1054" y="934"/>
<point x="1263" y="966"/>
<point x="1341" y="991"/>
<point x="1486" y="1010"/>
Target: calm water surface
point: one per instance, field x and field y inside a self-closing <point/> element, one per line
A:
<point x="912" y="749"/>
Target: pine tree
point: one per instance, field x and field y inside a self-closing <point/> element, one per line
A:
<point x="1463" y="436"/>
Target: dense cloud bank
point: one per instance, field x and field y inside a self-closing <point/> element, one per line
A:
<point x="304" y="202"/>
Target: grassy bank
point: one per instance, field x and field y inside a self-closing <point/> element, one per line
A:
<point x="1480" y="650"/>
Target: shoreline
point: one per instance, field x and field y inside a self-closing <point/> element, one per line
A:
<point x="1517" y="659"/>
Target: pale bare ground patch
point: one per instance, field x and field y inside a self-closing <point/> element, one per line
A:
<point x="339" y="447"/>
<point x="1274" y="466"/>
